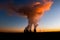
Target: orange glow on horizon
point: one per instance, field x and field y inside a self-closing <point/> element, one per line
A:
<point x="22" y="30"/>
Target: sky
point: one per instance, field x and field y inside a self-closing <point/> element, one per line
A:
<point x="51" y="19"/>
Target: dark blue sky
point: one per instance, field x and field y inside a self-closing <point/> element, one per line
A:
<point x="50" y="19"/>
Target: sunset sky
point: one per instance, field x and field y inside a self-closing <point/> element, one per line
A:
<point x="50" y="20"/>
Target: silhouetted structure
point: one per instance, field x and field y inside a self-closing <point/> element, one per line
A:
<point x="27" y="30"/>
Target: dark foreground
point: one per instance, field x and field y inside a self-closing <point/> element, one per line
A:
<point x="30" y="35"/>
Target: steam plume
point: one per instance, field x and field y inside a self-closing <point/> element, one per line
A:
<point x="35" y="10"/>
<point x="32" y="11"/>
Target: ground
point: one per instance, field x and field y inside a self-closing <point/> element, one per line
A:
<point x="29" y="36"/>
